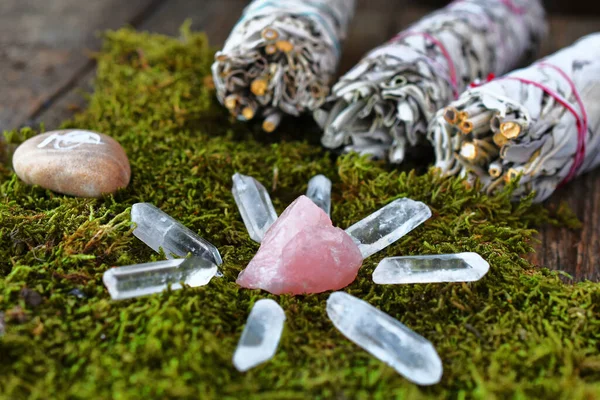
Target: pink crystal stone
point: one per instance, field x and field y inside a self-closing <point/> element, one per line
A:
<point x="303" y="252"/>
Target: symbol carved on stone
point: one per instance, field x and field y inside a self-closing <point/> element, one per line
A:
<point x="71" y="140"/>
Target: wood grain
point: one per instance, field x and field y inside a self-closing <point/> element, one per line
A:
<point x="574" y="251"/>
<point x="167" y="18"/>
<point x="43" y="48"/>
<point x="376" y="21"/>
<point x="370" y="27"/>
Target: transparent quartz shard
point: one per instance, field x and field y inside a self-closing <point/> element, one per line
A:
<point x="144" y="279"/>
<point x="254" y="204"/>
<point x="461" y="267"/>
<point x="388" y="224"/>
<point x="319" y="191"/>
<point x="384" y="337"/>
<point x="261" y="335"/>
<point x="158" y="229"/>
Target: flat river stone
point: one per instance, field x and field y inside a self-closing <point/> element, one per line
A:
<point x="75" y="162"/>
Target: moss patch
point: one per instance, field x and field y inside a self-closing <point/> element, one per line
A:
<point x="520" y="332"/>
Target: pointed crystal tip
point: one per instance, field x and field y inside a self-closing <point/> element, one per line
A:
<point x="461" y="267"/>
<point x="159" y="230"/>
<point x="410" y="354"/>
<point x="388" y="224"/>
<point x="319" y="191"/>
<point x="261" y="335"/>
<point x="254" y="203"/>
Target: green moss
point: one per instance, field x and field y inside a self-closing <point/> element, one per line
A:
<point x="520" y="332"/>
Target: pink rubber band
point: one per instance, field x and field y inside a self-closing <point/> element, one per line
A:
<point x="581" y="120"/>
<point x="491" y="76"/>
<point x="582" y="132"/>
<point x="513" y="7"/>
<point x="451" y="68"/>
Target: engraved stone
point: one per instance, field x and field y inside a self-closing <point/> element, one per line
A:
<point x="261" y="335"/>
<point x="144" y="279"/>
<point x="388" y="224"/>
<point x="254" y="204"/>
<point x="74" y="162"/>
<point x="319" y="191"/>
<point x="159" y="230"/>
<point x="461" y="267"/>
<point x="410" y="354"/>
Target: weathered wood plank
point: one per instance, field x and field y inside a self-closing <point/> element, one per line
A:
<point x="371" y="26"/>
<point x="43" y="48"/>
<point x="566" y="29"/>
<point x="166" y="19"/>
<point x="574" y="251"/>
<point x="216" y="18"/>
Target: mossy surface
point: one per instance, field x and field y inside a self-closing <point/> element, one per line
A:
<point x="518" y="333"/>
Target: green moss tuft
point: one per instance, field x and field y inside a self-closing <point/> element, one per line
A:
<point x="520" y="332"/>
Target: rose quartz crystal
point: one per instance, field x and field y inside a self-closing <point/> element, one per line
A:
<point x="303" y="252"/>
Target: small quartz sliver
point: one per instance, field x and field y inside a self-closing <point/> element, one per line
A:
<point x="411" y="355"/>
<point x="254" y="204"/>
<point x="261" y="335"/>
<point x="319" y="191"/>
<point x="388" y="224"/>
<point x="149" y="278"/>
<point x="461" y="267"/>
<point x="159" y="230"/>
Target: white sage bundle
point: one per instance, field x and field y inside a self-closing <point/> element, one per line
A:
<point x="381" y="107"/>
<point x="540" y="124"/>
<point x="281" y="57"/>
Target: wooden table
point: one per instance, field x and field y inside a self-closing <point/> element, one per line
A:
<point x="44" y="68"/>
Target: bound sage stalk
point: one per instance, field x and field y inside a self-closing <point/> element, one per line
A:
<point x="381" y="107"/>
<point x="281" y="58"/>
<point x="540" y="124"/>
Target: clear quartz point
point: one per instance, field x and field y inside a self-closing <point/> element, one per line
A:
<point x="461" y="267"/>
<point x="254" y="204"/>
<point x="159" y="230"/>
<point x="388" y="224"/>
<point x="144" y="279"/>
<point x="410" y="354"/>
<point x="319" y="191"/>
<point x="261" y="335"/>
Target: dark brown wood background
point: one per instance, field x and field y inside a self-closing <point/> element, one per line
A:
<point x="45" y="68"/>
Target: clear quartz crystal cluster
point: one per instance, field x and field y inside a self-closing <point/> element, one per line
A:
<point x="408" y="353"/>
<point x="303" y="252"/>
<point x="160" y="231"/>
